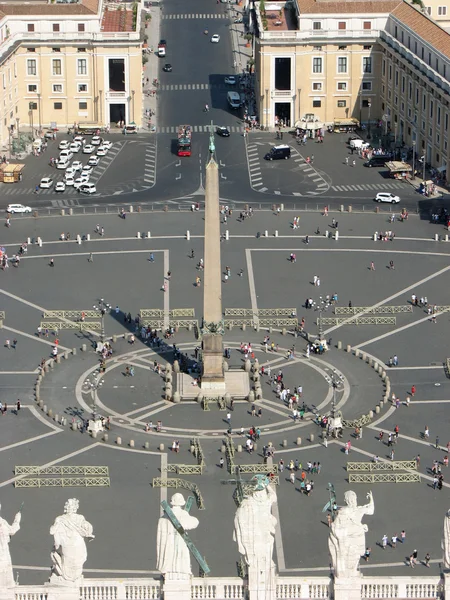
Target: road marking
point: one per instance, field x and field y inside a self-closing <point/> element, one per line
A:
<point x="33" y="337"/>
<point x="251" y="284"/>
<point x="415" y="368"/>
<point x="386" y="300"/>
<point x="34" y="411"/>
<point x="29" y="440"/>
<point x="35" y="372"/>
<point x="395" y="331"/>
<point x="167" y="292"/>
<point x="53" y="462"/>
<point x="365" y="566"/>
<point x="39" y="308"/>
<point x="143" y="408"/>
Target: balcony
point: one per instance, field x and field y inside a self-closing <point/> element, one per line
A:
<point x="319" y="34"/>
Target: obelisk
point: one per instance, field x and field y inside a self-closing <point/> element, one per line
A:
<point x="212" y="378"/>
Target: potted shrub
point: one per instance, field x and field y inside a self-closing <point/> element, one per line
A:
<point x="248" y="37"/>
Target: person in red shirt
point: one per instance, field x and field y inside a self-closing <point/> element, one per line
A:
<point x="413" y="390"/>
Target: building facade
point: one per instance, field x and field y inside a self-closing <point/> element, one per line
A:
<point x="331" y="62"/>
<point x="62" y="64"/>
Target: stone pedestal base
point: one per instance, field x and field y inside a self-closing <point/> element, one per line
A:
<point x="262" y="583"/>
<point x="237" y="384"/>
<point x="347" y="589"/>
<point x="177" y="589"/>
<point x="63" y="592"/>
<point x="446" y="585"/>
<point x="8" y="593"/>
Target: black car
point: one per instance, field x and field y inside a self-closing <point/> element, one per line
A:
<point x="223" y="131"/>
<point x="167" y="68"/>
<point x="162" y="43"/>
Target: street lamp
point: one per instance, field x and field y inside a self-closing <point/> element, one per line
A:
<point x="369" y="105"/>
<point x="321" y="305"/>
<point x="423" y="170"/>
<point x="414" y="160"/>
<point x="267" y="110"/>
<point x="102" y="307"/>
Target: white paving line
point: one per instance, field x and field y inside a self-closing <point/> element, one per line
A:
<point x="393" y="369"/>
<point x="18" y="372"/>
<point x="143" y="408"/>
<point x="153" y="412"/>
<point x="365" y="566"/>
<point x="53" y="462"/>
<point x="40" y="416"/>
<point x="39" y="308"/>
<point x="33" y="337"/>
<point x="251" y="284"/>
<point x="430" y="402"/>
<point x="167" y="292"/>
<point x="385" y="301"/>
<point x="278" y="538"/>
<point x="399" y="329"/>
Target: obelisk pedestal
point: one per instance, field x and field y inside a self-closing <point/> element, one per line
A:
<point x="212" y="378"/>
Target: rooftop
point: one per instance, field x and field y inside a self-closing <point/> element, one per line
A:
<point x="278" y="18"/>
<point x="347" y="6"/>
<point x="117" y="20"/>
<point x="84" y="7"/>
<point x="425" y="27"/>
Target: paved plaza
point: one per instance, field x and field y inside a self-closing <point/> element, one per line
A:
<point x="121" y="272"/>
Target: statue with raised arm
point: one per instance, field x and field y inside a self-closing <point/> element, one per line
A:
<point x="346" y="541"/>
<point x="446" y="540"/>
<point x="6" y="570"/>
<point x="254" y="532"/>
<point x="173" y="558"/>
<point x="69" y="554"/>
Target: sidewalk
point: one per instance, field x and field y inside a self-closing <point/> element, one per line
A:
<point x="151" y="69"/>
<point x="241" y="54"/>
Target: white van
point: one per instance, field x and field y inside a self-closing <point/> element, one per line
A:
<point x="234" y="100"/>
<point x="359" y="143"/>
<point x="66" y="154"/>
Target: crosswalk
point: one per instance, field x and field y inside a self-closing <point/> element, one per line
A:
<point x="359" y="187"/>
<point x="195" y="16"/>
<point x="183" y="87"/>
<point x="199" y="129"/>
<point x="106" y="161"/>
<point x="150" y="164"/>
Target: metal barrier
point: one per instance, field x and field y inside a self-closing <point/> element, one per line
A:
<point x="157" y="313"/>
<point x="61" y="470"/>
<point x="70" y="314"/>
<point x="180" y="483"/>
<point x="198" y="452"/>
<point x="384" y="478"/>
<point x="80" y="325"/>
<point x="293" y="322"/>
<point x="261" y="312"/>
<point x="353" y="310"/>
<point x="33" y="482"/>
<point x="159" y="325"/>
<point x="360" y="422"/>
<point x="259" y="468"/>
<point x="185" y="469"/>
<point x="393" y="465"/>
<point x="359" y="321"/>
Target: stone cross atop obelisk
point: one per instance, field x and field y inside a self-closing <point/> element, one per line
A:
<point x="213" y="373"/>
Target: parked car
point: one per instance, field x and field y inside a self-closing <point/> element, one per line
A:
<point x="77" y="165"/>
<point x="60" y="186"/>
<point x="167" y="68"/>
<point x="387" y="197"/>
<point x="215" y="38"/>
<point x="93" y="160"/>
<point x="46" y="183"/>
<point x="230" y="80"/>
<point x="69" y="179"/>
<point x="75" y="147"/>
<point x="87" y="169"/>
<point x="107" y="144"/>
<point x="64" y="144"/>
<point x="102" y="151"/>
<point x="88" y="149"/>
<point x="17" y="208"/>
<point x="66" y="154"/>
<point x="96" y="140"/>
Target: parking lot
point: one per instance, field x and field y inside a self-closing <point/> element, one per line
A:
<point x="128" y="165"/>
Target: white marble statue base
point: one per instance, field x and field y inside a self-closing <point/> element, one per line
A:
<point x="177" y="589"/>
<point x="446" y="585"/>
<point x="8" y="593"/>
<point x="60" y="592"/>
<point x="347" y="588"/>
<point x="262" y="584"/>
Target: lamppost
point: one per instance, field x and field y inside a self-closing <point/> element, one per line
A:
<point x="321" y="305"/>
<point x="267" y="110"/>
<point x="93" y="385"/>
<point x="102" y="307"/>
<point x="423" y="170"/>
<point x="40" y="113"/>
<point x="414" y="160"/>
<point x="132" y="100"/>
<point x="369" y="106"/>
<point x="30" y="114"/>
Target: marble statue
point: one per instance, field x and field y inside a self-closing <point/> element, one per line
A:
<point x="254" y="532"/>
<point x="6" y="570"/>
<point x="69" y="555"/>
<point x="173" y="558"/>
<point x="254" y="526"/>
<point x="346" y="541"/>
<point x="446" y="540"/>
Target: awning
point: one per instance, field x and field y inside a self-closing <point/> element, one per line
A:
<point x="442" y="169"/>
<point x="309" y="125"/>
